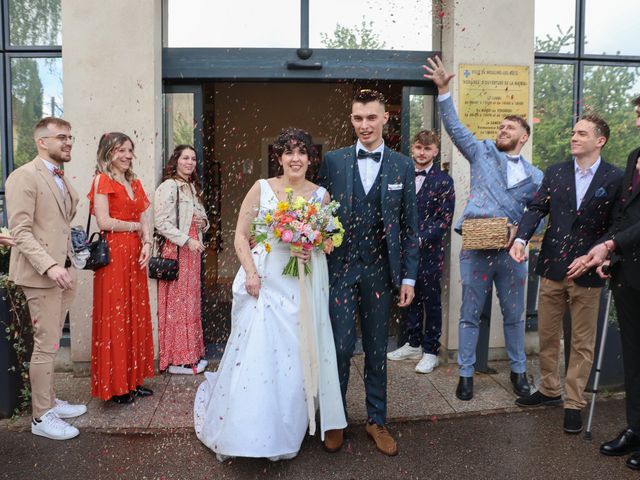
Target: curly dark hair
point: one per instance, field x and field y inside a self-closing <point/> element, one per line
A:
<point x="294" y="137"/>
<point x="171" y="170"/>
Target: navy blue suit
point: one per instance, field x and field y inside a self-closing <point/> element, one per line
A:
<point x="379" y="251"/>
<point x="435" y="202"/>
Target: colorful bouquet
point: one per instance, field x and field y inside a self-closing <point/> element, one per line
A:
<point x="301" y="223"/>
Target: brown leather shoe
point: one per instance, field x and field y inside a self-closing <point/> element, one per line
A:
<point x="384" y="441"/>
<point x="333" y="440"/>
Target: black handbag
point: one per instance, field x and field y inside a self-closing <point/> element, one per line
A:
<point x="98" y="250"/>
<point x="165" y="268"/>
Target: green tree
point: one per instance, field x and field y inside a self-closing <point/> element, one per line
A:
<point x="26" y="101"/>
<point x="182" y="130"/>
<point x="607" y="92"/>
<point x="34" y="22"/>
<point x="359" y="37"/>
<point x="31" y="22"/>
<point x="416" y="114"/>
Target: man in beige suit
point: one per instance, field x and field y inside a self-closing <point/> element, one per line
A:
<point x="40" y="206"/>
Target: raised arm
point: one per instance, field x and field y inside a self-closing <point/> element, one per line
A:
<point x="461" y="136"/>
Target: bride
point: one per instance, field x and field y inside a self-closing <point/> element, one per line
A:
<point x="260" y="402"/>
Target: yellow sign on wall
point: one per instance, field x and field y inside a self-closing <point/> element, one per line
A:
<point x="488" y="93"/>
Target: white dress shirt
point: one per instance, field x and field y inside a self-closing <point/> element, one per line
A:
<point x="368" y="167"/>
<point x="583" y="179"/>
<point x="50" y="166"/>
<point x="421" y="178"/>
<point x="515" y="170"/>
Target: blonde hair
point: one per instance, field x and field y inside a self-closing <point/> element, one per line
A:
<point x="108" y="143"/>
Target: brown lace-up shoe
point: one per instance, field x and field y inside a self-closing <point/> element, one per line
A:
<point x="333" y="440"/>
<point x="384" y="441"/>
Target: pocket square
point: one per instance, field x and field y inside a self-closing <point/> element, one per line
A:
<point x="394" y="186"/>
<point x="600" y="193"/>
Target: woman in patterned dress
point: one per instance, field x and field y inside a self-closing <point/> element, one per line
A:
<point x="182" y="226"/>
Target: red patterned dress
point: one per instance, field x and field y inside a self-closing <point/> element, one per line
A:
<point x="122" y="336"/>
<point x="179" y="320"/>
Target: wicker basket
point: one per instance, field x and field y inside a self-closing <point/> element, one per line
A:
<point x="484" y="233"/>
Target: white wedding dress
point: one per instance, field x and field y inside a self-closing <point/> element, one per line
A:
<point x="255" y="404"/>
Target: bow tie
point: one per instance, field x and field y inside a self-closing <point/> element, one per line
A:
<point x="421" y="172"/>
<point x="513" y="159"/>
<point x="375" y="156"/>
<point x="58" y="172"/>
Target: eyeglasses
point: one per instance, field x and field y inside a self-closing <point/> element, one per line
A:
<point x="63" y="138"/>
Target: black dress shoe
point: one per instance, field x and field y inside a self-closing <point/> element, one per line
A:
<point x="628" y="441"/>
<point x="141" y="391"/>
<point x="464" y="391"/>
<point x="572" y="421"/>
<point x="538" y="399"/>
<point x="122" y="399"/>
<point x="520" y="384"/>
<point x="634" y="461"/>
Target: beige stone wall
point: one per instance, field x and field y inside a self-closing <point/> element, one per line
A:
<point x="498" y="32"/>
<point x="112" y="81"/>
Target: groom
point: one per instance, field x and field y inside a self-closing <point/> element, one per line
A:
<point x="376" y="190"/>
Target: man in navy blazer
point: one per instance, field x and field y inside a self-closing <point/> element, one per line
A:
<point x="502" y="183"/>
<point x="621" y="245"/>
<point x="436" y="202"/>
<point x="578" y="196"/>
<point x="376" y="190"/>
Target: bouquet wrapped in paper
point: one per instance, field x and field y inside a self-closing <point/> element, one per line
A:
<point x="303" y="224"/>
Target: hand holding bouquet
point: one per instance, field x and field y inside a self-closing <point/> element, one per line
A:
<point x="303" y="224"/>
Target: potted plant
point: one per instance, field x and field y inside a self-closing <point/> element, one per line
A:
<point x="16" y="342"/>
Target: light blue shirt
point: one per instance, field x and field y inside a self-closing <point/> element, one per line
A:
<point x="583" y="179"/>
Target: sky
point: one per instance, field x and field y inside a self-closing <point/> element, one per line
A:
<point x="611" y="25"/>
<point x="402" y="24"/>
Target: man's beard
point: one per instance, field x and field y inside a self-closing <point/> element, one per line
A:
<point x="509" y="145"/>
<point x="59" y="157"/>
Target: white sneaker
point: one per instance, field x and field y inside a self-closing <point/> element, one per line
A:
<point x="178" y="370"/>
<point x="203" y="362"/>
<point x="53" y="427"/>
<point x="66" y="410"/>
<point x="427" y="363"/>
<point x="405" y="352"/>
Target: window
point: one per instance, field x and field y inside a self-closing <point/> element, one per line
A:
<point x="370" y="24"/>
<point x="318" y="24"/>
<point x="237" y="24"/>
<point x="31" y="75"/>
<point x="587" y="60"/>
<point x="611" y="27"/>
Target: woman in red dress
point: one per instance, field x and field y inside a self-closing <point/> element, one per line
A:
<point x="122" y="338"/>
<point x="181" y="219"/>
